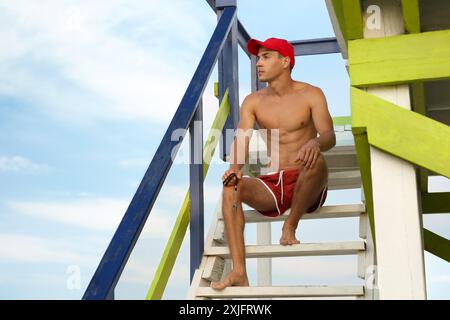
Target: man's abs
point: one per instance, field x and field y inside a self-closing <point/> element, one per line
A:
<point x="284" y="149"/>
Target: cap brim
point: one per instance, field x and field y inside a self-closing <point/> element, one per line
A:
<point x="253" y="46"/>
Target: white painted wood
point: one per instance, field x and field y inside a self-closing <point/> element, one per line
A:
<point x="282" y="292"/>
<point x="349" y="179"/>
<point x="197" y="282"/>
<point x="370" y="274"/>
<point x="342" y="156"/>
<point x="325" y="212"/>
<point x="219" y="233"/>
<point x="213" y="269"/>
<point x="398" y="226"/>
<point x="303" y="249"/>
<point x="264" y="265"/>
<point x="344" y="180"/>
<point x="363" y="225"/>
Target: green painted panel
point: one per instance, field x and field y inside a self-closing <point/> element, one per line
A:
<point x="436" y="202"/>
<point x="400" y="59"/>
<point x="402" y="133"/>
<point x="342" y="121"/>
<point x="437" y="245"/>
<point x="411" y="15"/>
<point x="363" y="156"/>
<point x="349" y="15"/>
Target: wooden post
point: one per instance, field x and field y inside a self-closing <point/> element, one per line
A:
<point x="263" y="229"/>
<point x="398" y="221"/>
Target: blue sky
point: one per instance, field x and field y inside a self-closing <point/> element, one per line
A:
<point x="87" y="90"/>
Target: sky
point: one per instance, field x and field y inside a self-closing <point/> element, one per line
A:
<point x="87" y="90"/>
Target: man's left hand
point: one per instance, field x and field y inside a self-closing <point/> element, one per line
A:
<point x="309" y="153"/>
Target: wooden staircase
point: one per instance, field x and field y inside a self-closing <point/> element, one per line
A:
<point x="215" y="264"/>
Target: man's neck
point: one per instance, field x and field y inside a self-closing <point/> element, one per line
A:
<point x="282" y="85"/>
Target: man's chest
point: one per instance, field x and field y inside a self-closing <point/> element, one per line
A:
<point x="287" y="115"/>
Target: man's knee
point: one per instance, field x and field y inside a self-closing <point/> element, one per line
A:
<point x="319" y="166"/>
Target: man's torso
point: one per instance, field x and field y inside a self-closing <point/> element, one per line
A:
<point x="291" y="116"/>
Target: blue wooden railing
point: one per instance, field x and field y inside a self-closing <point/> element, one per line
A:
<point x="111" y="266"/>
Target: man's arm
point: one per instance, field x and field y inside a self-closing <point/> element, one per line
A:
<point x="239" y="147"/>
<point x="322" y="121"/>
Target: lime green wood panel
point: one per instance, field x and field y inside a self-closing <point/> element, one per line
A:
<point x="349" y="15"/>
<point x="418" y="97"/>
<point x="175" y="241"/>
<point x="411" y="15"/>
<point x="436" y="202"/>
<point x="437" y="245"/>
<point x="400" y="59"/>
<point x="403" y="133"/>
<point x="423" y="179"/>
<point x="216" y="89"/>
<point x="342" y="121"/>
<point x="363" y="156"/>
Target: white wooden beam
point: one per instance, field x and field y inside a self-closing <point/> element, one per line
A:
<point x="264" y="265"/>
<point x="398" y="225"/>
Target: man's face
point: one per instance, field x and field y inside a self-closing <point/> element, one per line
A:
<point x="269" y="64"/>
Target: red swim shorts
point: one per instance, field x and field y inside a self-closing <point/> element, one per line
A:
<point x="282" y="185"/>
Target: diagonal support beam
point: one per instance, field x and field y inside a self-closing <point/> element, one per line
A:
<point x="398" y="131"/>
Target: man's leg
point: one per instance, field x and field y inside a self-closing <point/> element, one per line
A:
<point x="308" y="188"/>
<point x="255" y="194"/>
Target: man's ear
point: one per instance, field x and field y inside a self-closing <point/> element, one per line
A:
<point x="288" y="59"/>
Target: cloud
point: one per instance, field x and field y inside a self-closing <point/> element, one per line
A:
<point x="439" y="279"/>
<point x="18" y="163"/>
<point x="138" y="271"/>
<point x="135" y="162"/>
<point x="91" y="213"/>
<point x="96" y="60"/>
<point x="23" y="248"/>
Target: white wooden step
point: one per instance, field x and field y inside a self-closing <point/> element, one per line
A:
<point x="303" y="249"/>
<point x="337" y="158"/>
<point x="341" y="158"/>
<point x="344" y="180"/>
<point x="281" y="292"/>
<point x="326" y="212"/>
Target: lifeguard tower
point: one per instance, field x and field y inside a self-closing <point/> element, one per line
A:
<point x="397" y="135"/>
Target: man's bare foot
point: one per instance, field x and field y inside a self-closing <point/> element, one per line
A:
<point x="232" y="279"/>
<point x="288" y="235"/>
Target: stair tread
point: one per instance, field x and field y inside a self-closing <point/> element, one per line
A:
<point x="281" y="291"/>
<point x="337" y="180"/>
<point x="325" y="212"/>
<point x="302" y="249"/>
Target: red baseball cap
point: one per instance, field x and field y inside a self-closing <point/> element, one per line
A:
<point x="281" y="45"/>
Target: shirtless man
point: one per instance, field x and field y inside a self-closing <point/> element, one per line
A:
<point x="299" y="112"/>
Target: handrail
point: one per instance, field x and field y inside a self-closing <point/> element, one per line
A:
<point x="175" y="241"/>
<point x="111" y="266"/>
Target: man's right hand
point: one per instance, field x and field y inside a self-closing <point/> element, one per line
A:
<point x="230" y="171"/>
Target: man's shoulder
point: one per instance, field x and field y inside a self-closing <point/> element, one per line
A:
<point x="306" y="87"/>
<point x="253" y="98"/>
